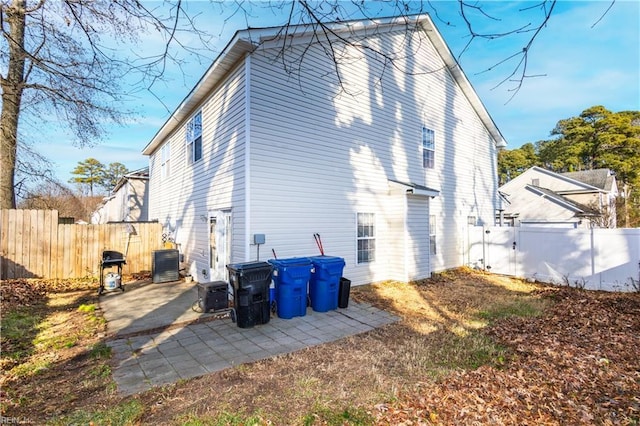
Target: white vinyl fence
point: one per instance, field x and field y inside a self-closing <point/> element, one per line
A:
<point x="594" y="259"/>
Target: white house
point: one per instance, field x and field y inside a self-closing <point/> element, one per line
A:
<point x="385" y="150"/>
<point x="128" y="201"/>
<point x="540" y="197"/>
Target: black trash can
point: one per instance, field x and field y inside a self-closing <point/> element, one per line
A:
<point x="343" y="297"/>
<point x="250" y="283"/>
<point x="213" y="296"/>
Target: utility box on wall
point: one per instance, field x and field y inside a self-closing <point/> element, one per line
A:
<point x="165" y="266"/>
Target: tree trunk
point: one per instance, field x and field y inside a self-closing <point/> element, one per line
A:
<point x="12" y="88"/>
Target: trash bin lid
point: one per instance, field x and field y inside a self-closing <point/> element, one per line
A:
<point x="325" y="260"/>
<point x="249" y="266"/>
<point x="293" y="261"/>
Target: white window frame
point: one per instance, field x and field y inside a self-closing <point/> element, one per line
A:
<point x="428" y="148"/>
<point x="194" y="138"/>
<point x="432" y="235"/>
<point x="365" y="236"/>
<point x="165" y="160"/>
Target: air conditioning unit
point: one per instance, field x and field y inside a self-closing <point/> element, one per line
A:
<point x="165" y="266"/>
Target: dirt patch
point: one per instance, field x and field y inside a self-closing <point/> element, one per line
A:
<point x="51" y="359"/>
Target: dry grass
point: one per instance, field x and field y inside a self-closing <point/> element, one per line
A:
<point x="356" y="380"/>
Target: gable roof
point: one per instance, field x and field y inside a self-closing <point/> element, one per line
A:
<point x="141" y="174"/>
<point x="600" y="178"/>
<point x="577" y="208"/>
<point x="562" y="177"/>
<point x="246" y="41"/>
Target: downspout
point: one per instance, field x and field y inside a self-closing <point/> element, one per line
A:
<point x="247" y="157"/>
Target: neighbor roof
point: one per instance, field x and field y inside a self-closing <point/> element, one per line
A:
<point x="600" y="178"/>
<point x="578" y="208"/>
<point x="245" y="41"/>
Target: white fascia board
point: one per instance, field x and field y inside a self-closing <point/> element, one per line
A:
<point x="232" y="53"/>
<point x="458" y="75"/>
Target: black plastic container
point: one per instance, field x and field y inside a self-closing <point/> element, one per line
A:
<point x="343" y="296"/>
<point x="250" y="282"/>
<point x="213" y="296"/>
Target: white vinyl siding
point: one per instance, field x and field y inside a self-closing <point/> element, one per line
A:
<point x="417" y="246"/>
<point x="319" y="155"/>
<point x="182" y="202"/>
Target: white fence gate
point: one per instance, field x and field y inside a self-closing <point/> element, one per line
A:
<point x="595" y="259"/>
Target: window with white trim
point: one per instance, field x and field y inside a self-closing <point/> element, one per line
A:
<point x="165" y="160"/>
<point x="366" y="237"/>
<point x="432" y="234"/>
<point x="194" y="138"/>
<point x="428" y="148"/>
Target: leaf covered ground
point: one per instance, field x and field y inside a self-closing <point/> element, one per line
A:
<point x="578" y="363"/>
<point x="470" y="348"/>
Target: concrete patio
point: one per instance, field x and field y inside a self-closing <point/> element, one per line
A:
<point x="157" y="338"/>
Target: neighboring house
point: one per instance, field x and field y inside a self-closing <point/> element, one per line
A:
<point x="128" y="201"/>
<point x="391" y="165"/>
<point x="578" y="199"/>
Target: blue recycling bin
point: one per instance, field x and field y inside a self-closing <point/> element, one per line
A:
<point x="291" y="278"/>
<point x="324" y="284"/>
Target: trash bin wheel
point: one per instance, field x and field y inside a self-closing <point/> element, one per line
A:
<point x="232" y="314"/>
<point x="273" y="307"/>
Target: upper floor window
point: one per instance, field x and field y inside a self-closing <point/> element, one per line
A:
<point x="194" y="138"/>
<point x="366" y="237"/>
<point x="165" y="160"/>
<point x="428" y="148"/>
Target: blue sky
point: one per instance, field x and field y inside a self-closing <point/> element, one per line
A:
<point x="580" y="65"/>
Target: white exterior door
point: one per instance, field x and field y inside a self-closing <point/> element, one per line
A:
<point x="219" y="244"/>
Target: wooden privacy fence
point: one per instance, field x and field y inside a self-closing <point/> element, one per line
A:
<point x="33" y="244"/>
